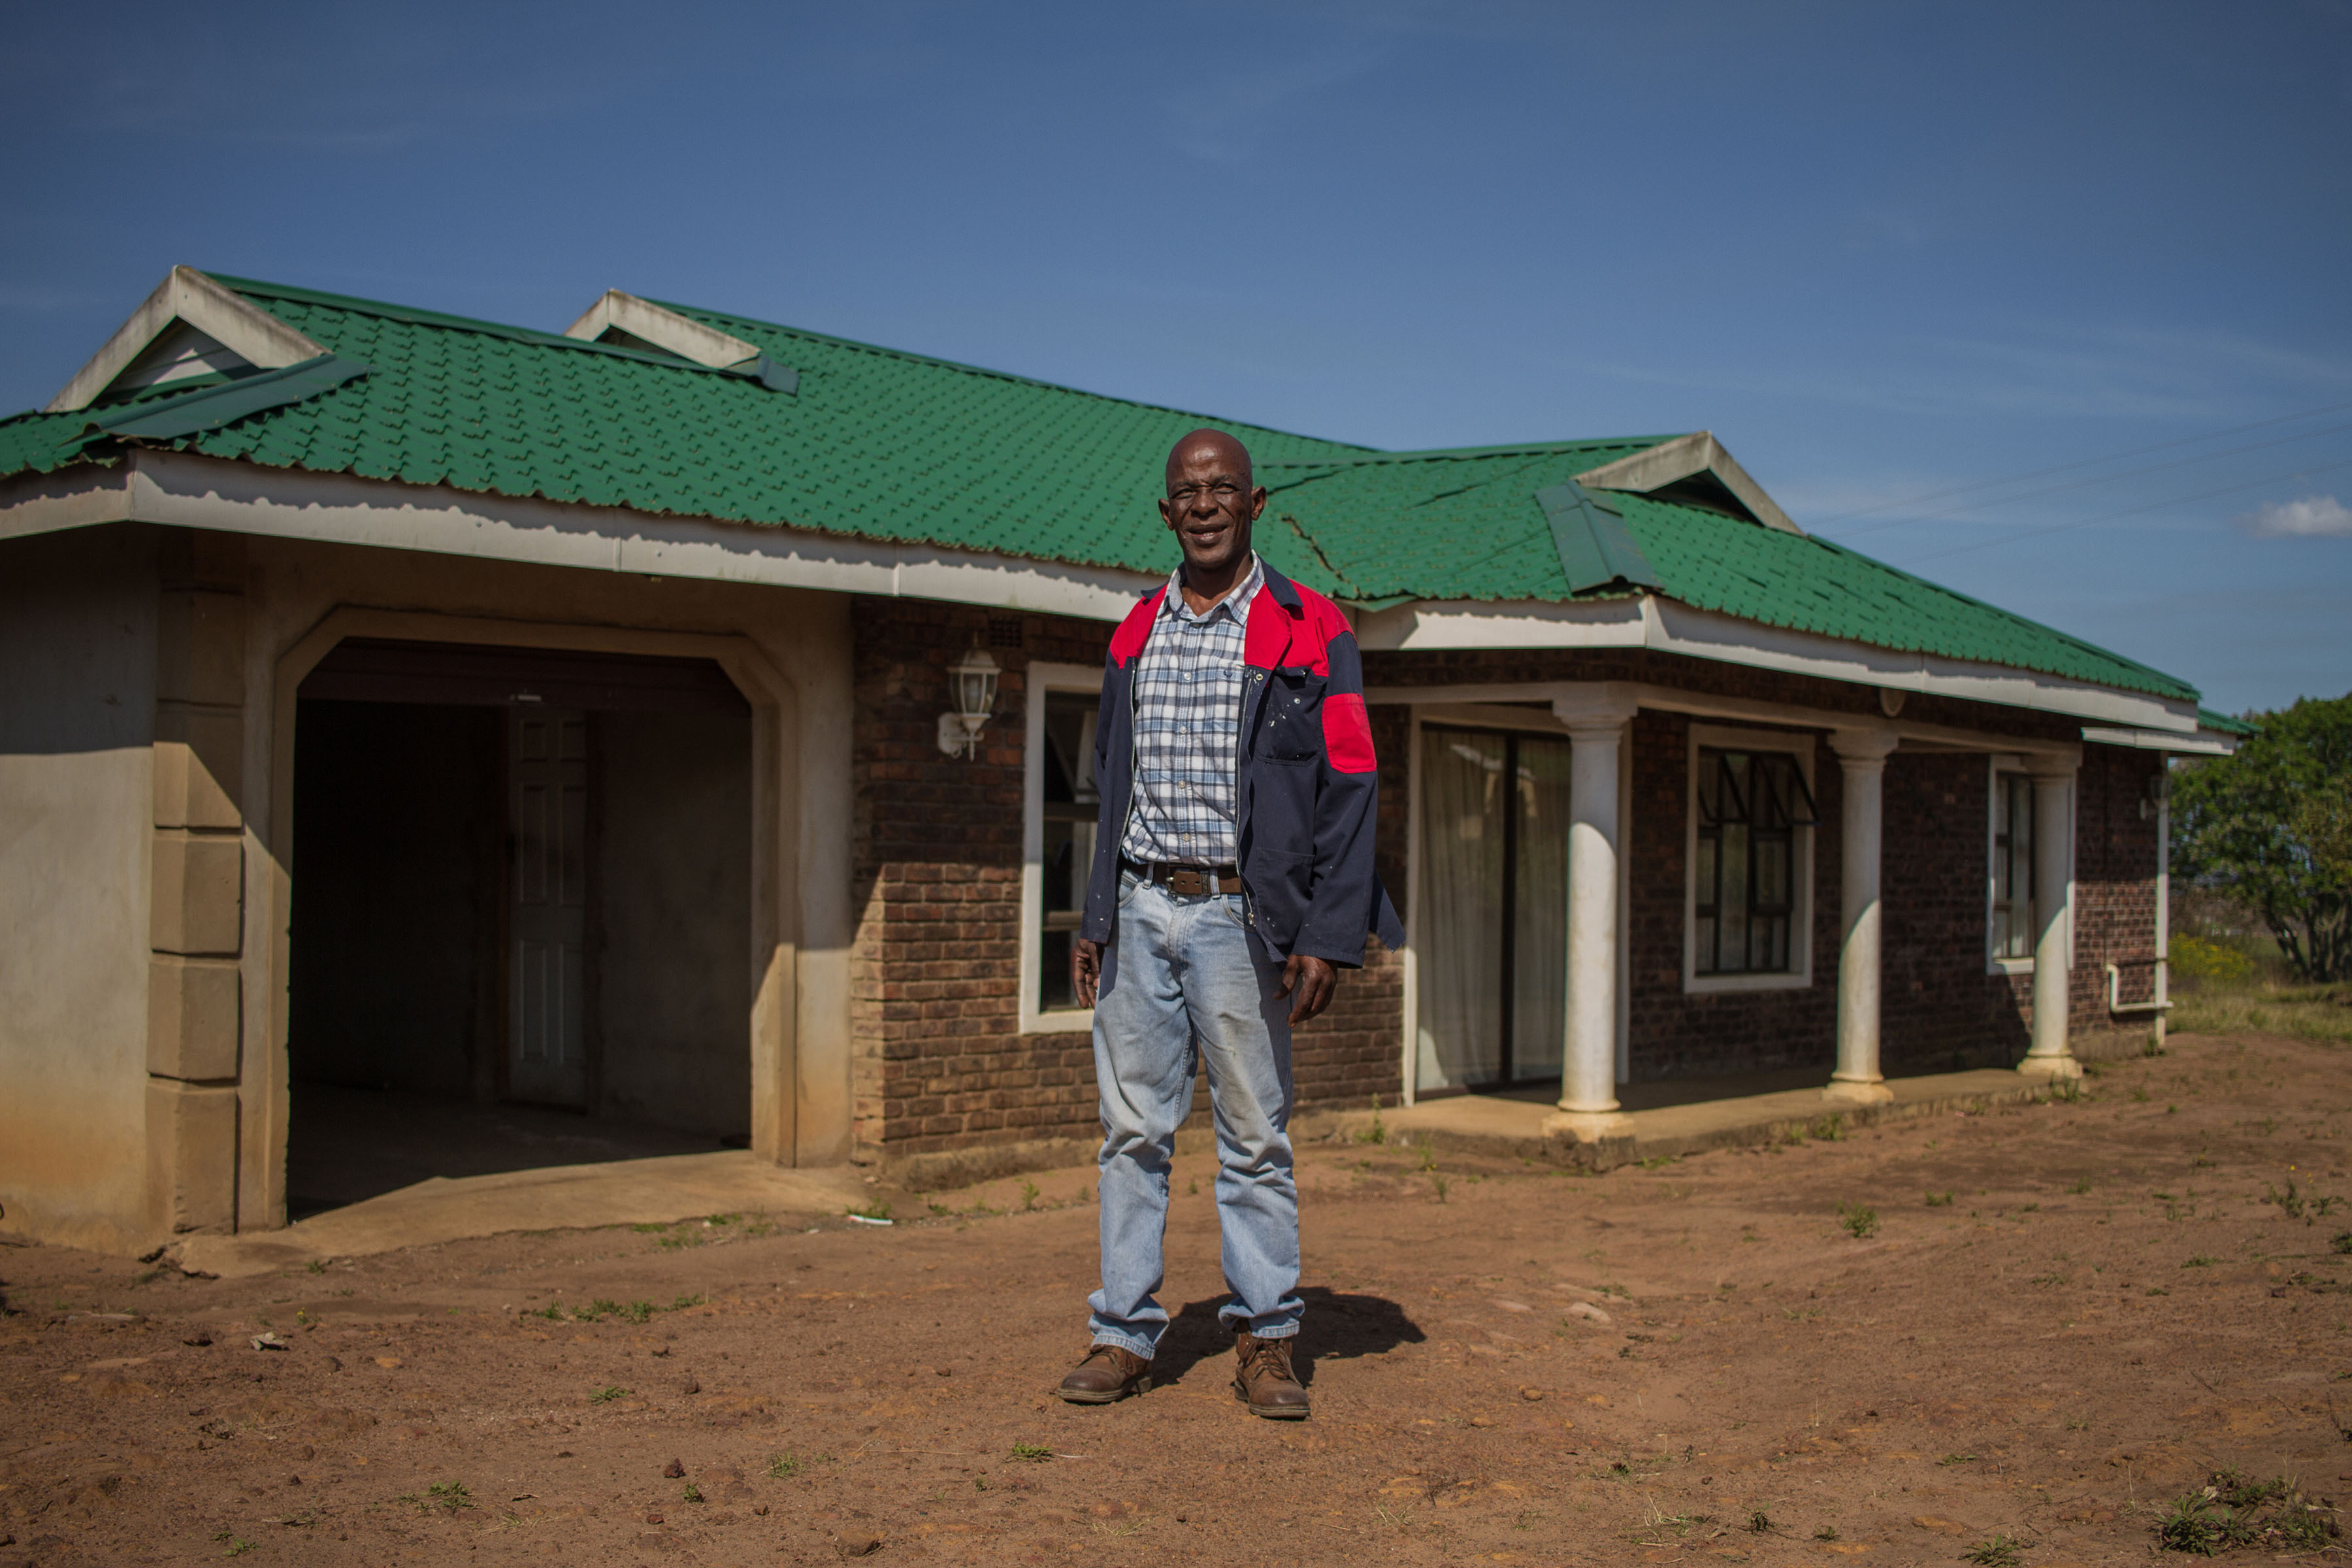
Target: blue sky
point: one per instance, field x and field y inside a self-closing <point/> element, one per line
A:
<point x="1884" y="251"/>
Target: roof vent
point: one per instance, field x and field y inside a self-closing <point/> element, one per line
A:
<point x="189" y="327"/>
<point x="625" y="322"/>
<point x="1696" y="469"/>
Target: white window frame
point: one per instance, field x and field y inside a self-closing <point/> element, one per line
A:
<point x="1998" y="765"/>
<point x="1040" y="679"/>
<point x="1498" y="715"/>
<point x="1798" y="975"/>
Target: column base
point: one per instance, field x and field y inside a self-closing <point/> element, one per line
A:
<point x="1848" y="1091"/>
<point x="1588" y="1126"/>
<point x="2051" y="1066"/>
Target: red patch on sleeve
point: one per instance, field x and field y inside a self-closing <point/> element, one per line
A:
<point x="1347" y="733"/>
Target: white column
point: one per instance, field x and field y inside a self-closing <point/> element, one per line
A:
<point x="1861" y="758"/>
<point x="1596" y="719"/>
<point x="2053" y="857"/>
<point x="2163" y="992"/>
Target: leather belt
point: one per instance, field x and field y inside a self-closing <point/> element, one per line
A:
<point x="1189" y="881"/>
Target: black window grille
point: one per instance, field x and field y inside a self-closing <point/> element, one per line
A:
<point x="1751" y="805"/>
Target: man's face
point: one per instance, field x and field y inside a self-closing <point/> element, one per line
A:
<point x="1210" y="504"/>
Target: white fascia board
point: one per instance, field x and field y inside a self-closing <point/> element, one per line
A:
<point x="181" y="490"/>
<point x="1428" y="625"/>
<point x="643" y="319"/>
<point x="1469" y="699"/>
<point x="1667" y="626"/>
<point x="253" y="335"/>
<point x="1654" y="468"/>
<point x="2205" y="743"/>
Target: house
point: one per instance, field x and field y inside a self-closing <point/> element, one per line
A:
<point x="681" y="720"/>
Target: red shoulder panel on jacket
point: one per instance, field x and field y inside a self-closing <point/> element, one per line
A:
<point x="1347" y="733"/>
<point x="1134" y="631"/>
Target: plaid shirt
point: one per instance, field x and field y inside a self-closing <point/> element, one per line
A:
<point x="1188" y="701"/>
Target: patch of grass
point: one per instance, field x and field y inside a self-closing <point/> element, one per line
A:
<point x="1939" y="1200"/>
<point x="691" y="1494"/>
<point x="1028" y="1196"/>
<point x="1826" y="1532"/>
<point x="683" y="1302"/>
<point x="1830" y="1128"/>
<point x="2343" y="1242"/>
<point x="237" y="1546"/>
<point x="1759" y="1521"/>
<point x="2000" y="1552"/>
<point x="783" y="1467"/>
<point x="723" y="1219"/>
<point x="678" y="1240"/>
<point x="2234" y="1510"/>
<point x="2081" y="1187"/>
<point x="606" y="1394"/>
<point x="448" y="1496"/>
<point x="877" y="1209"/>
<point x="1437" y="1184"/>
<point x="2200" y="1261"/>
<point x="1032" y="1453"/>
<point x="316" y="1265"/>
<point x="1957" y="1459"/>
<point x="1378" y="1133"/>
<point x="2315" y="1013"/>
<point x="1859" y="1219"/>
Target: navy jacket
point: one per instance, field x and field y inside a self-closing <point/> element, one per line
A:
<point x="1306" y="787"/>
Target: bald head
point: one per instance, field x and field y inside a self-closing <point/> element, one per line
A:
<point x="1210" y="504"/>
<point x="1222" y="449"/>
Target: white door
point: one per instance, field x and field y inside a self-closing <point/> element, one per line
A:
<point x="547" y="823"/>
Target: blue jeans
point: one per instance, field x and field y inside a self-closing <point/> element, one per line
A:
<point x="1184" y="979"/>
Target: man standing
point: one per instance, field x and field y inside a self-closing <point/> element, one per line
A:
<point x="1232" y="877"/>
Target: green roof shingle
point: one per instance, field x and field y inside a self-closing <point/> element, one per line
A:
<point x="895" y="447"/>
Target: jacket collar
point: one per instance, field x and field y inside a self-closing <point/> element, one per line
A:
<point x="1284" y="591"/>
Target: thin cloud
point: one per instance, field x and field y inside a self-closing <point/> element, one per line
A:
<point x="2312" y="517"/>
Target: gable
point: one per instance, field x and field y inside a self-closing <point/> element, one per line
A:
<point x="1695" y="471"/>
<point x="190" y="326"/>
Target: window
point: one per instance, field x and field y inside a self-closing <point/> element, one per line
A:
<point x="2013" y="890"/>
<point x="1061" y="803"/>
<point x="1750" y="892"/>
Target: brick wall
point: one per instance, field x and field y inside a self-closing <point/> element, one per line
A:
<point x="1941" y="1009"/>
<point x="940" y="1063"/>
<point x="2115" y="862"/>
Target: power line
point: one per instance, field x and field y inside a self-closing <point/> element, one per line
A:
<point x="2082" y="463"/>
<point x="2129" y="512"/>
<point x="2095" y="479"/>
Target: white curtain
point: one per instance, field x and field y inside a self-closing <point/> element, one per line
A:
<point x="1460" y="973"/>
<point x="1540" y="934"/>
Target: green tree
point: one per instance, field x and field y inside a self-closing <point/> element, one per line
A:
<point x="2273" y="825"/>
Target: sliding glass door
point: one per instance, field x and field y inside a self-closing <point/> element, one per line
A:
<point x="1493" y="923"/>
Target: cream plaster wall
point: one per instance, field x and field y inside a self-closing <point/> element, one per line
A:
<point x="294" y="586"/>
<point x="78" y="627"/>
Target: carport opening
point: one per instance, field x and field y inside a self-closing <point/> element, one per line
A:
<point x="521" y="914"/>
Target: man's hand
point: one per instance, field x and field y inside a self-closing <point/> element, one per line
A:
<point x="1311" y="980"/>
<point x="1086" y="969"/>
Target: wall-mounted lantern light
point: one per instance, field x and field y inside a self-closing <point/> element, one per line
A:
<point x="972" y="686"/>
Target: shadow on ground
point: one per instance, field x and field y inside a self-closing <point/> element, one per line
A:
<point x="1338" y="1327"/>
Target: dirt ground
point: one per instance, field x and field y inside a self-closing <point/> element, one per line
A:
<point x="2121" y="1295"/>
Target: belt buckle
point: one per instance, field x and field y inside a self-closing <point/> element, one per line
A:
<point x="1187" y="881"/>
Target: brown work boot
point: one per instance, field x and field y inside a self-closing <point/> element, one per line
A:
<point x="1108" y="1375"/>
<point x="1264" y="1380"/>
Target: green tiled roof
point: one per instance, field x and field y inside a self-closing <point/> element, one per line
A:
<point x="1465" y="525"/>
<point x="2208" y="720"/>
<point x="895" y="447"/>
